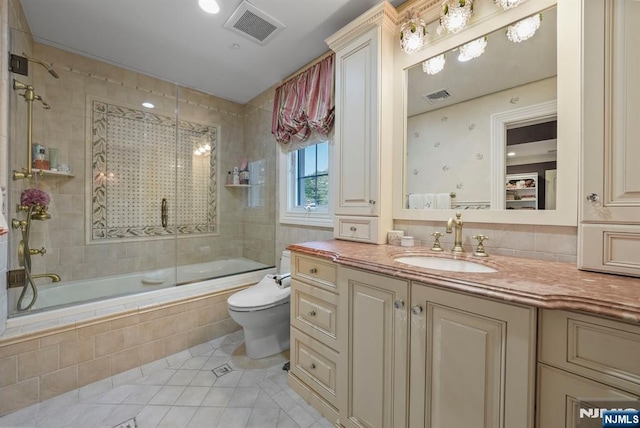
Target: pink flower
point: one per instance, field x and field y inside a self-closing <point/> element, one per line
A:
<point x="30" y="197"/>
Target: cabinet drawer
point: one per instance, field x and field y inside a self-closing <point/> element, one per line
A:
<point x="315" y="270"/>
<point x="315" y="364"/>
<point x="610" y="248"/>
<point x="597" y="348"/>
<point x="363" y="229"/>
<point x="314" y="311"/>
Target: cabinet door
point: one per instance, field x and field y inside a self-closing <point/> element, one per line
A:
<point x="374" y="352"/>
<point x="611" y="138"/>
<point x="356" y="126"/>
<point x="559" y="395"/>
<point x="472" y="361"/>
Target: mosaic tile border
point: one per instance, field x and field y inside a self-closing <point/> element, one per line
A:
<point x="101" y="111"/>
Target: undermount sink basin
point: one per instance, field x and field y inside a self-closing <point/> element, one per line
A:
<point x="440" y="263"/>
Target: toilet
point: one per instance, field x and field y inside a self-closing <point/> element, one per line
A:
<point x="263" y="312"/>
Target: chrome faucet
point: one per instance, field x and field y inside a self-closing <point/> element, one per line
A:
<point x="457" y="224"/>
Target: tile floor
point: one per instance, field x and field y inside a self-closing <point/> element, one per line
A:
<point x="182" y="391"/>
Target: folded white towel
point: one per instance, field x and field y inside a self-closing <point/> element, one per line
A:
<point x="443" y="201"/>
<point x="416" y="201"/>
<point x="429" y="201"/>
<point x="283" y="281"/>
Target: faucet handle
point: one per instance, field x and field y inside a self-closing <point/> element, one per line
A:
<point x="480" y="251"/>
<point x="436" y="243"/>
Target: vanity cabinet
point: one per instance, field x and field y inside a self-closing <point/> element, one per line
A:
<point x="373" y="327"/>
<point x="315" y="369"/>
<point x="472" y="361"/>
<point x="610" y="195"/>
<point x="363" y="126"/>
<point x="584" y="357"/>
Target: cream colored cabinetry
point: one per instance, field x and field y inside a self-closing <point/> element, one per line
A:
<point x="582" y="356"/>
<point x="610" y="208"/>
<point x="472" y="361"/>
<point x="363" y="126"/>
<point x="374" y="353"/>
<point x="315" y="371"/>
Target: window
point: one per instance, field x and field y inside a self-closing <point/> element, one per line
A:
<point x="305" y="186"/>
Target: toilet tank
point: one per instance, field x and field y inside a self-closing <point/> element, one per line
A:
<point x="285" y="262"/>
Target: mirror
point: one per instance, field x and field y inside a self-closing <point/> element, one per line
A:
<point x="485" y="123"/>
<point x="485" y="135"/>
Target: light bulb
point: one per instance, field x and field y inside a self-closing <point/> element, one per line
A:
<point x="434" y="65"/>
<point x="209" y="6"/>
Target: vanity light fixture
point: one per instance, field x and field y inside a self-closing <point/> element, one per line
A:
<point x="525" y="29"/>
<point x="203" y="150"/>
<point x="413" y="34"/>
<point x="209" y="6"/>
<point x="511" y="154"/>
<point x="434" y="65"/>
<point x="508" y="4"/>
<point x="147" y="104"/>
<point x="473" y="49"/>
<point x="455" y="15"/>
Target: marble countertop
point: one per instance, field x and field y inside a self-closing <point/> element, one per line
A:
<point x="538" y="283"/>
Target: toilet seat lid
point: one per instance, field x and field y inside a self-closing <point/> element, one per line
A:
<point x="263" y="295"/>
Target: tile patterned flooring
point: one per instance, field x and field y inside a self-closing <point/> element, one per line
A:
<point x="182" y="391"/>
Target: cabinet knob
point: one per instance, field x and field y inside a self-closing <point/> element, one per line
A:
<point x="399" y="304"/>
<point x="372" y="202"/>
<point x="593" y="197"/>
<point x="416" y="310"/>
<point x="313" y="270"/>
<point x="353" y="228"/>
<point x="312" y="313"/>
<point x="312" y="366"/>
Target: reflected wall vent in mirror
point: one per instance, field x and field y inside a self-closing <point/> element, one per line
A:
<point x="253" y="23"/>
<point x="437" y="96"/>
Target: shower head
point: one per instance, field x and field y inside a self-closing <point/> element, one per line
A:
<point x="44" y="64"/>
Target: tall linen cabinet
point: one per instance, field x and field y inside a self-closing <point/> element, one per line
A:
<point x="610" y="214"/>
<point x="363" y="126"/>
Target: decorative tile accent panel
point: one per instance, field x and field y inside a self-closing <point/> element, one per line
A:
<point x="136" y="163"/>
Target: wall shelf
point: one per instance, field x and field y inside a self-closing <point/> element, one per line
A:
<point x="46" y="172"/>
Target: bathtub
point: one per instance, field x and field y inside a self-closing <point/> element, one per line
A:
<point x="67" y="302"/>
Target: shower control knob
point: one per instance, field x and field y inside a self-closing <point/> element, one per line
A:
<point x="416" y="310"/>
<point x="42" y="251"/>
<point x="398" y="304"/>
<point x="312" y="313"/>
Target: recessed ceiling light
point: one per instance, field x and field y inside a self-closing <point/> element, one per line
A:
<point x="209" y="6"/>
<point x="147" y="104"/>
<point x="235" y="46"/>
<point x="511" y="154"/>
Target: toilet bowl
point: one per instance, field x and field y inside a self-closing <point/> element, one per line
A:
<point x="262" y="310"/>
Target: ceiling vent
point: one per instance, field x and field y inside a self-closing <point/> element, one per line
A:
<point x="254" y="24"/>
<point x="437" y="96"/>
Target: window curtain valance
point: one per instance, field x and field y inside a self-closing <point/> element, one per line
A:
<point x="304" y="107"/>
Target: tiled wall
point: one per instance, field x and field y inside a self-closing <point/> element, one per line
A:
<point x="38" y="366"/>
<point x="554" y="243"/>
<point x="64" y="127"/>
